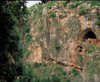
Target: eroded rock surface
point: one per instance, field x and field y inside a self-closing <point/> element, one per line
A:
<point x="64" y="34"/>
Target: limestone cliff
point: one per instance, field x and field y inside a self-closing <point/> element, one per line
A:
<point x="65" y="33"/>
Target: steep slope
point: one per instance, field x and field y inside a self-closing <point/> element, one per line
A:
<point x="67" y="34"/>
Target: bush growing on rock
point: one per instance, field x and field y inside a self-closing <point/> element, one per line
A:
<point x="97" y="22"/>
<point x="74" y="72"/>
<point x="52" y="15"/>
<point x="82" y="11"/>
<point x="41" y="27"/>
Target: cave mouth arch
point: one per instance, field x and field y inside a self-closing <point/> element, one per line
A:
<point x="88" y="34"/>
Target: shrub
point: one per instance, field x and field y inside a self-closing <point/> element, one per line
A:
<point x="55" y="78"/>
<point x="27" y="53"/>
<point x="99" y="17"/>
<point x="64" y="4"/>
<point x="41" y="27"/>
<point x="41" y="43"/>
<point x="52" y="15"/>
<point x="49" y="4"/>
<point x="92" y="48"/>
<point x="77" y="4"/>
<point x="72" y="23"/>
<point x="28" y="37"/>
<point x="68" y="80"/>
<point x="27" y="28"/>
<point x="74" y="72"/>
<point x="44" y="64"/>
<point x="26" y="75"/>
<point x="88" y="50"/>
<point x="37" y="38"/>
<point x="57" y="46"/>
<point x="97" y="22"/>
<point x="61" y="71"/>
<point x="36" y="64"/>
<point x="35" y="22"/>
<point x="43" y="80"/>
<point x="91" y="68"/>
<point x="35" y="14"/>
<point x="40" y="10"/>
<point x="66" y="37"/>
<point x="80" y="58"/>
<point x="82" y="11"/>
<point x="94" y="3"/>
<point x="15" y="33"/>
<point x="34" y="17"/>
<point x="74" y="5"/>
<point x="97" y="48"/>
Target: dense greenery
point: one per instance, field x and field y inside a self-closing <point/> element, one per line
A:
<point x="75" y="5"/>
<point x="28" y="37"/>
<point x="42" y="72"/>
<point x="11" y="17"/>
<point x="41" y="27"/>
<point x="52" y="15"/>
<point x="82" y="11"/>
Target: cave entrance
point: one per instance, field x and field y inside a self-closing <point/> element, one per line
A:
<point x="89" y="35"/>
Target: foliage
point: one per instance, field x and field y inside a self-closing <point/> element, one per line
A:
<point x="34" y="17"/>
<point x="94" y="3"/>
<point x="92" y="68"/>
<point x="43" y="64"/>
<point x="82" y="11"/>
<point x="28" y="37"/>
<point x="41" y="43"/>
<point x="75" y="5"/>
<point x="97" y="22"/>
<point x="10" y="37"/>
<point x="14" y="33"/>
<point x="80" y="58"/>
<point x="99" y="17"/>
<point x="35" y="64"/>
<point x="74" y="72"/>
<point x="66" y="37"/>
<point x="49" y="4"/>
<point x="64" y="3"/>
<point x="41" y="72"/>
<point x="55" y="78"/>
<point x="52" y="15"/>
<point x="72" y="23"/>
<point x="68" y="80"/>
<point x="26" y="53"/>
<point x="92" y="48"/>
<point x="40" y="11"/>
<point x="26" y="28"/>
<point x="72" y="6"/>
<point x="35" y="22"/>
<point x="41" y="27"/>
<point x="57" y="47"/>
<point x="35" y="14"/>
<point x="26" y="75"/>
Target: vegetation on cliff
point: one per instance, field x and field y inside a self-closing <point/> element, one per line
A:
<point x="11" y="39"/>
<point x="53" y="42"/>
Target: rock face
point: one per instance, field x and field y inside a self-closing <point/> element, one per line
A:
<point x="44" y="11"/>
<point x="65" y="36"/>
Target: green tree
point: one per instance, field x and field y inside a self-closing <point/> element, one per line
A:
<point x="10" y="49"/>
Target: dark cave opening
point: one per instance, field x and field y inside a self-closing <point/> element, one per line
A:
<point x="89" y="35"/>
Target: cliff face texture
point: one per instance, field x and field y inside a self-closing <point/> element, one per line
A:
<point x="65" y="33"/>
